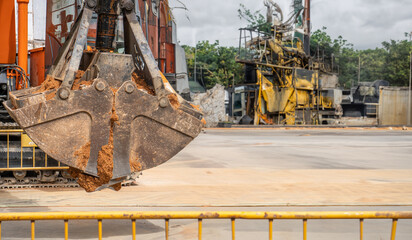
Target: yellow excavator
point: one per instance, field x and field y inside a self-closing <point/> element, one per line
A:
<point x="106" y="114"/>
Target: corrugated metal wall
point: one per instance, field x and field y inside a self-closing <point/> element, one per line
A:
<point x="393" y="106"/>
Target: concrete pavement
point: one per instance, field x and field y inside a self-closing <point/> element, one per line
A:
<point x="251" y="169"/>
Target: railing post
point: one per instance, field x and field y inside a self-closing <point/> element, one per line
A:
<point x="270" y="229"/>
<point x="100" y="229"/>
<point x="167" y="229"/>
<point x="305" y="229"/>
<point x="32" y="229"/>
<point x="200" y="229"/>
<point x="66" y="229"/>
<point x="361" y="229"/>
<point x="134" y="229"/>
<point x="394" y="224"/>
<point x="233" y="229"/>
<point x="21" y="151"/>
<point x="8" y="150"/>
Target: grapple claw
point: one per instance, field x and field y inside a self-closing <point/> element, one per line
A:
<point x="118" y="116"/>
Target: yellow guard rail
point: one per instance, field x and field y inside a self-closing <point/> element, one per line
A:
<point x="200" y="216"/>
<point x="19" y="165"/>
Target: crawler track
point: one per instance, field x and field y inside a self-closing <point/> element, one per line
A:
<point x="8" y="125"/>
<point x="12" y="183"/>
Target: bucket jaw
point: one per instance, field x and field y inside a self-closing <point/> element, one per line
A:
<point x="105" y="114"/>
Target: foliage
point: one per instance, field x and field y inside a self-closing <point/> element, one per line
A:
<point x="390" y="62"/>
<point x="214" y="64"/>
<point x="397" y="61"/>
<point x="255" y="19"/>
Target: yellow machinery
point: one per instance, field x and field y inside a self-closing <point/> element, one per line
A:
<point x="291" y="88"/>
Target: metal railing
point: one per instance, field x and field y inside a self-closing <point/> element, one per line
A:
<point x="65" y="217"/>
<point x="23" y="163"/>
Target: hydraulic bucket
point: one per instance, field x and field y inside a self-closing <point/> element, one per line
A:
<point x="105" y="114"/>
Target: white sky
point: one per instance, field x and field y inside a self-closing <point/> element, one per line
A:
<point x="365" y="23"/>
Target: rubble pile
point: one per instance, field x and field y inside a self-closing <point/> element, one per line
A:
<point x="212" y="105"/>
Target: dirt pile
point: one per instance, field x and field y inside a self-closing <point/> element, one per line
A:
<point x="142" y="84"/>
<point x="78" y="84"/>
<point x="82" y="155"/>
<point x="51" y="84"/>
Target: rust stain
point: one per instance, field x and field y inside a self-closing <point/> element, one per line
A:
<point x="197" y="107"/>
<point x="174" y="101"/>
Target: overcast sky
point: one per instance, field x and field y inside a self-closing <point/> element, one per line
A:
<point x="365" y="23"/>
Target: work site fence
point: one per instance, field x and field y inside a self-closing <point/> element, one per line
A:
<point x="65" y="217"/>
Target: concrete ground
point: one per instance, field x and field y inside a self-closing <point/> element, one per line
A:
<point x="248" y="170"/>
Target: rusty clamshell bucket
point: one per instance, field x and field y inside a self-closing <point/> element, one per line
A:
<point x="120" y="114"/>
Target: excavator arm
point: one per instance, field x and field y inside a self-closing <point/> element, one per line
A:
<point x="106" y="114"/>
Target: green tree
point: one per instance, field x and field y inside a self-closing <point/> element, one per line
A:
<point x="345" y="58"/>
<point x="215" y="64"/>
<point x="397" y="62"/>
<point x="373" y="64"/>
<point x="389" y="62"/>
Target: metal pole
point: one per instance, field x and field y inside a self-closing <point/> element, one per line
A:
<point x="359" y="70"/>
<point x="146" y="15"/>
<point x="159" y="30"/>
<point x="23" y="33"/>
<point x="195" y="61"/>
<point x="410" y="90"/>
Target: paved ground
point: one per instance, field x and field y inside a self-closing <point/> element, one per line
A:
<point x="271" y="169"/>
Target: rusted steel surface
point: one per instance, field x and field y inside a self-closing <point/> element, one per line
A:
<point x="37" y="70"/>
<point x="159" y="31"/>
<point x="393" y="106"/>
<point x="61" y="15"/>
<point x="106" y="24"/>
<point x="7" y="32"/>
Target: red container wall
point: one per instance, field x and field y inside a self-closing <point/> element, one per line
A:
<point x="61" y="15"/>
<point x="37" y="70"/>
<point x="7" y="32"/>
